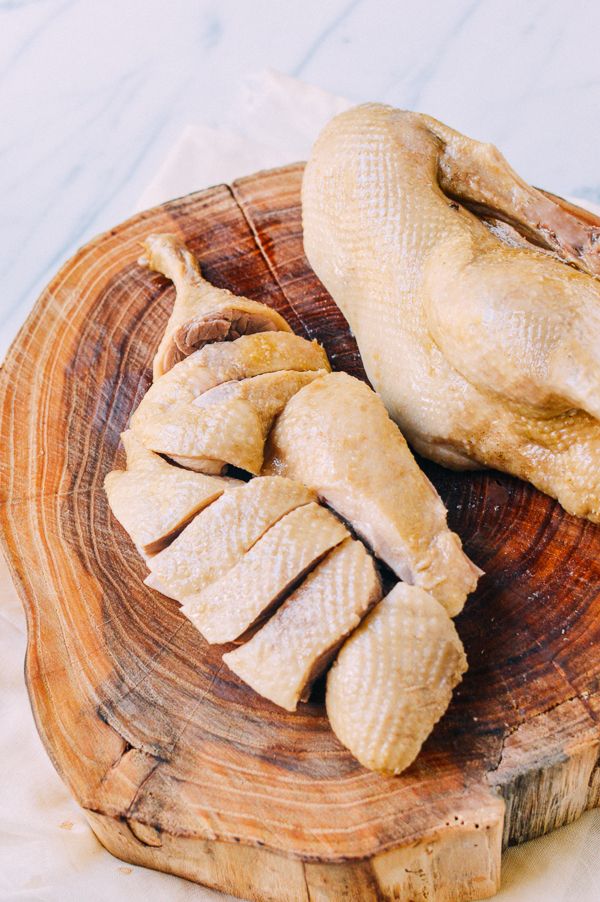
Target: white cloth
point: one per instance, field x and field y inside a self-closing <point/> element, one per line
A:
<point x="47" y="851"/>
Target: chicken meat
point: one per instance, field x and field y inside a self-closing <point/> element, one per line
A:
<point x="227" y="424"/>
<point x="393" y="679"/>
<point x="283" y="659"/>
<point x="250" y="355"/>
<point x="202" y="312"/>
<point x="218" y="537"/>
<point x="227" y="608"/>
<point x="153" y="500"/>
<point x="482" y="339"/>
<point x="335" y="436"/>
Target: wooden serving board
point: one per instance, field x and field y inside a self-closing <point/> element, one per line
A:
<point x="177" y="764"/>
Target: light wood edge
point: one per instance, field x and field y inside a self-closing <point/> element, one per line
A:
<point x="460" y="864"/>
<point x="548" y="771"/>
<point x="554" y="788"/>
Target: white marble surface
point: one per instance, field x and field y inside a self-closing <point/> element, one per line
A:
<point x="93" y="95"/>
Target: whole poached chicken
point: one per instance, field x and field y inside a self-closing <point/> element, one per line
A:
<point x="473" y="297"/>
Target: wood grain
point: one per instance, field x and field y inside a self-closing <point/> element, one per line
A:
<point x="178" y="765"/>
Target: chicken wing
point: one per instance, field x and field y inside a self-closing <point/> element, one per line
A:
<point x="227" y="424"/>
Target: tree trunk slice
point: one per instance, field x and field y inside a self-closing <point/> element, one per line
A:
<point x="177" y="764"/>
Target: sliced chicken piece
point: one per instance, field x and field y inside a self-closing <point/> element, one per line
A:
<point x="154" y="500"/>
<point x="200" y="464"/>
<point x="214" y="541"/>
<point x="282" y="660"/>
<point x="202" y="313"/>
<point x="227" y="424"/>
<point x="485" y="351"/>
<point x="250" y="355"/>
<point x="230" y="432"/>
<point x="153" y="582"/>
<point x="336" y="436"/>
<point x="248" y="592"/>
<point x="393" y="679"/>
<point x="268" y="393"/>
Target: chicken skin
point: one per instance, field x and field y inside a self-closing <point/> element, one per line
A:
<point x="335" y="436"/>
<point x="393" y="679"/>
<point x="202" y="313"/>
<point x="483" y="339"/>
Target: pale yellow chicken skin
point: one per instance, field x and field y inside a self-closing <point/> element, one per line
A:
<point x="228" y="607"/>
<point x="153" y="500"/>
<point x="486" y="351"/>
<point x="393" y="679"/>
<point x="214" y="364"/>
<point x="227" y="424"/>
<point x="218" y="537"/>
<point x="207" y="440"/>
<point x="335" y="435"/>
<point x="286" y="655"/>
<point x="202" y="313"/>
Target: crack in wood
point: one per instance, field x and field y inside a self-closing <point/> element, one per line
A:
<point x="261" y="249"/>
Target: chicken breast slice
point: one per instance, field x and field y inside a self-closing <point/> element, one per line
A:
<point x="202" y="312"/>
<point x="393" y="679"/>
<point x="335" y="435"/>
<point x="215" y="540"/>
<point x="153" y="582"/>
<point x="153" y="500"/>
<point x="227" y="424"/>
<point x="250" y="355"/>
<point x="282" y="660"/>
<point x="227" y="608"/>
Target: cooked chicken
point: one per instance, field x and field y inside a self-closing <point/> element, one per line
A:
<point x="485" y="351"/>
<point x="218" y="537"/>
<point x="248" y="592"/>
<point x="227" y="424"/>
<point x="282" y="660"/>
<point x="268" y="393"/>
<point x="202" y="313"/>
<point x="336" y="436"/>
<point x="393" y="679"/>
<point x="200" y="464"/>
<point x="153" y="582"/>
<point x="224" y="433"/>
<point x="251" y="355"/>
<point x="154" y="500"/>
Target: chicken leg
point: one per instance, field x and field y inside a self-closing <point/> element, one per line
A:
<point x="202" y="312"/>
